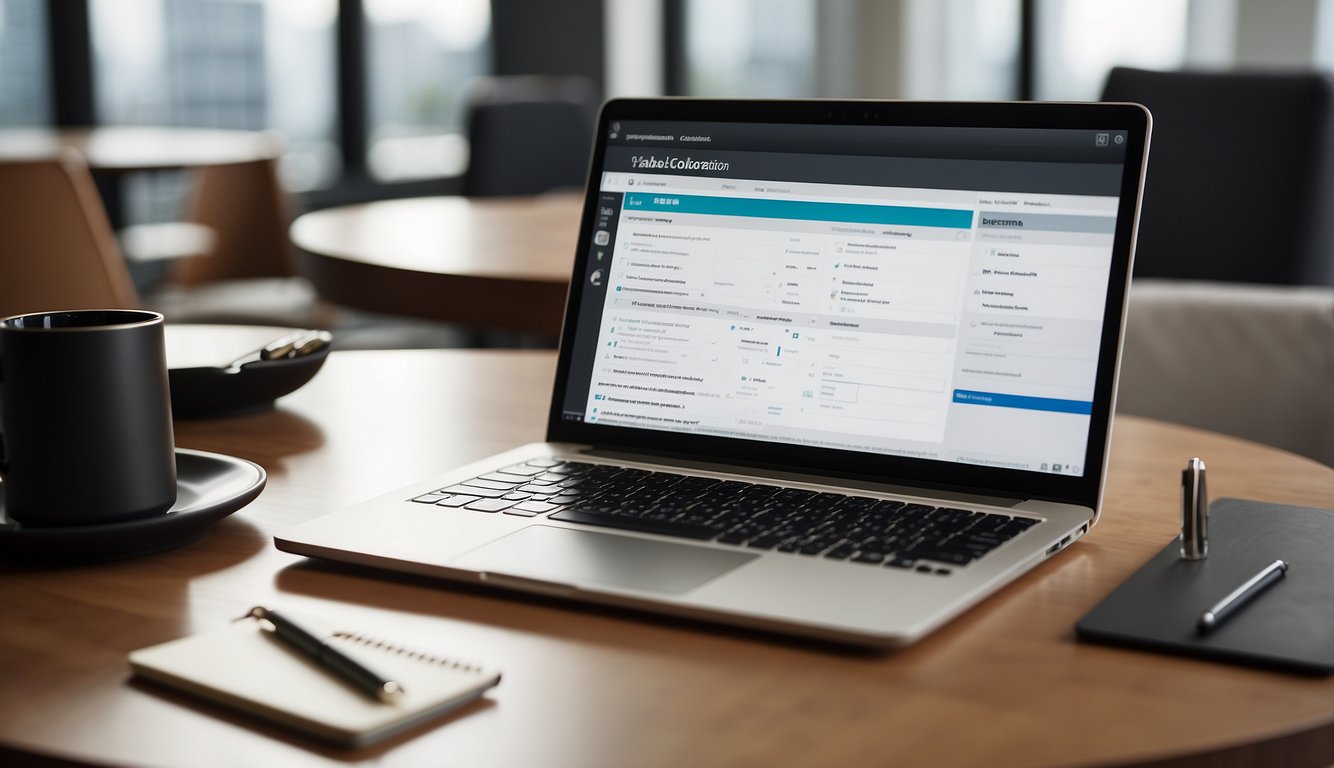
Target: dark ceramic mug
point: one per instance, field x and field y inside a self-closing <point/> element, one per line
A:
<point x="85" y="417"/>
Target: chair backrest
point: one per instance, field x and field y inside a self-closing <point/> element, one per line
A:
<point x="247" y="209"/>
<point x="1254" y="361"/>
<point x="528" y="134"/>
<point x="1240" y="178"/>
<point x="57" y="245"/>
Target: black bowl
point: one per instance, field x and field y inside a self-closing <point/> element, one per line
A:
<point x="212" y="391"/>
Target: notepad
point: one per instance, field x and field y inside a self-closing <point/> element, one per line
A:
<point x="245" y="668"/>
<point x="1290" y="626"/>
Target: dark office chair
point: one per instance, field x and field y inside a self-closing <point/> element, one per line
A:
<point x="528" y="134"/>
<point x="1240" y="184"/>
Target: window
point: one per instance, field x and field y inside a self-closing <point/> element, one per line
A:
<point x="962" y="49"/>
<point x="24" y="79"/>
<point x="1079" y="42"/>
<point x="421" y="54"/>
<point x="1324" y="35"/>
<point x="981" y="49"/>
<point x="241" y="64"/>
<point x="744" y="48"/>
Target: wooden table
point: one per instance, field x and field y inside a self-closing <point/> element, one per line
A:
<point x="490" y="263"/>
<point x="126" y="149"/>
<point x="1006" y="684"/>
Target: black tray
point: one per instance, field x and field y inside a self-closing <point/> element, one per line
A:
<point x="208" y="390"/>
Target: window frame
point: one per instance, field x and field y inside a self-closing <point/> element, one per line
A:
<point x="72" y="89"/>
<point x="73" y="98"/>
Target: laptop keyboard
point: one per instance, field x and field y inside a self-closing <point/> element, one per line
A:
<point x="858" y="529"/>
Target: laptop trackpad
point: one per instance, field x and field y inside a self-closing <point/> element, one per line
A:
<point x="566" y="556"/>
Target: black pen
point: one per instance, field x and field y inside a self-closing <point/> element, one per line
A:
<point x="327" y="656"/>
<point x="1239" y="597"/>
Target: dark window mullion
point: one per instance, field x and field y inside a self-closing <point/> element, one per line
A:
<point x="353" y="118"/>
<point x="1028" y="37"/>
<point x="675" y="72"/>
<point x="70" y="48"/>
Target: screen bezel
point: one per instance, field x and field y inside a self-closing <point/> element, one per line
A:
<point x="1083" y="490"/>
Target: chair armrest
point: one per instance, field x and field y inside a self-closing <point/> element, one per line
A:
<point x="1255" y="361"/>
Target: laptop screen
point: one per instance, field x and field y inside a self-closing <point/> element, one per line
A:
<point x="936" y="293"/>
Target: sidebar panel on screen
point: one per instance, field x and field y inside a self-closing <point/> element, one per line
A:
<point x="593" y="299"/>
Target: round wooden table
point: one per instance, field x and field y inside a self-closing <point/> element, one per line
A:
<point x="126" y="149"/>
<point x="1005" y="684"/>
<point x="487" y="263"/>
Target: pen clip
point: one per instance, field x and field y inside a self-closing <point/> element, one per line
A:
<point x="261" y="614"/>
<point x="1194" y="511"/>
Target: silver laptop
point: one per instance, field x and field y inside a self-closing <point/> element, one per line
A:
<point x="835" y="369"/>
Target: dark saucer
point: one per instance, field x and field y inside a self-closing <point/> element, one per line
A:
<point x="210" y="486"/>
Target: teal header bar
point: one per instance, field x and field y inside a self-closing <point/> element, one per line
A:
<point x="851" y="213"/>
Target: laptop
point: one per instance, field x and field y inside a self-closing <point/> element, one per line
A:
<point x="833" y="369"/>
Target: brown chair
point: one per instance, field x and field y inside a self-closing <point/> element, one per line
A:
<point x="246" y="208"/>
<point x="59" y="251"/>
<point x="249" y="276"/>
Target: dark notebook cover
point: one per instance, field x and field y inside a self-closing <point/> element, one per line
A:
<point x="1289" y="625"/>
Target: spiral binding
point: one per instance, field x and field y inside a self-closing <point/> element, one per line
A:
<point x="408" y="652"/>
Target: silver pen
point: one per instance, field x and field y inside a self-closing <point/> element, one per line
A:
<point x="1239" y="597"/>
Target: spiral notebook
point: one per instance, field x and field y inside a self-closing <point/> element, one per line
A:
<point x="245" y="668"/>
